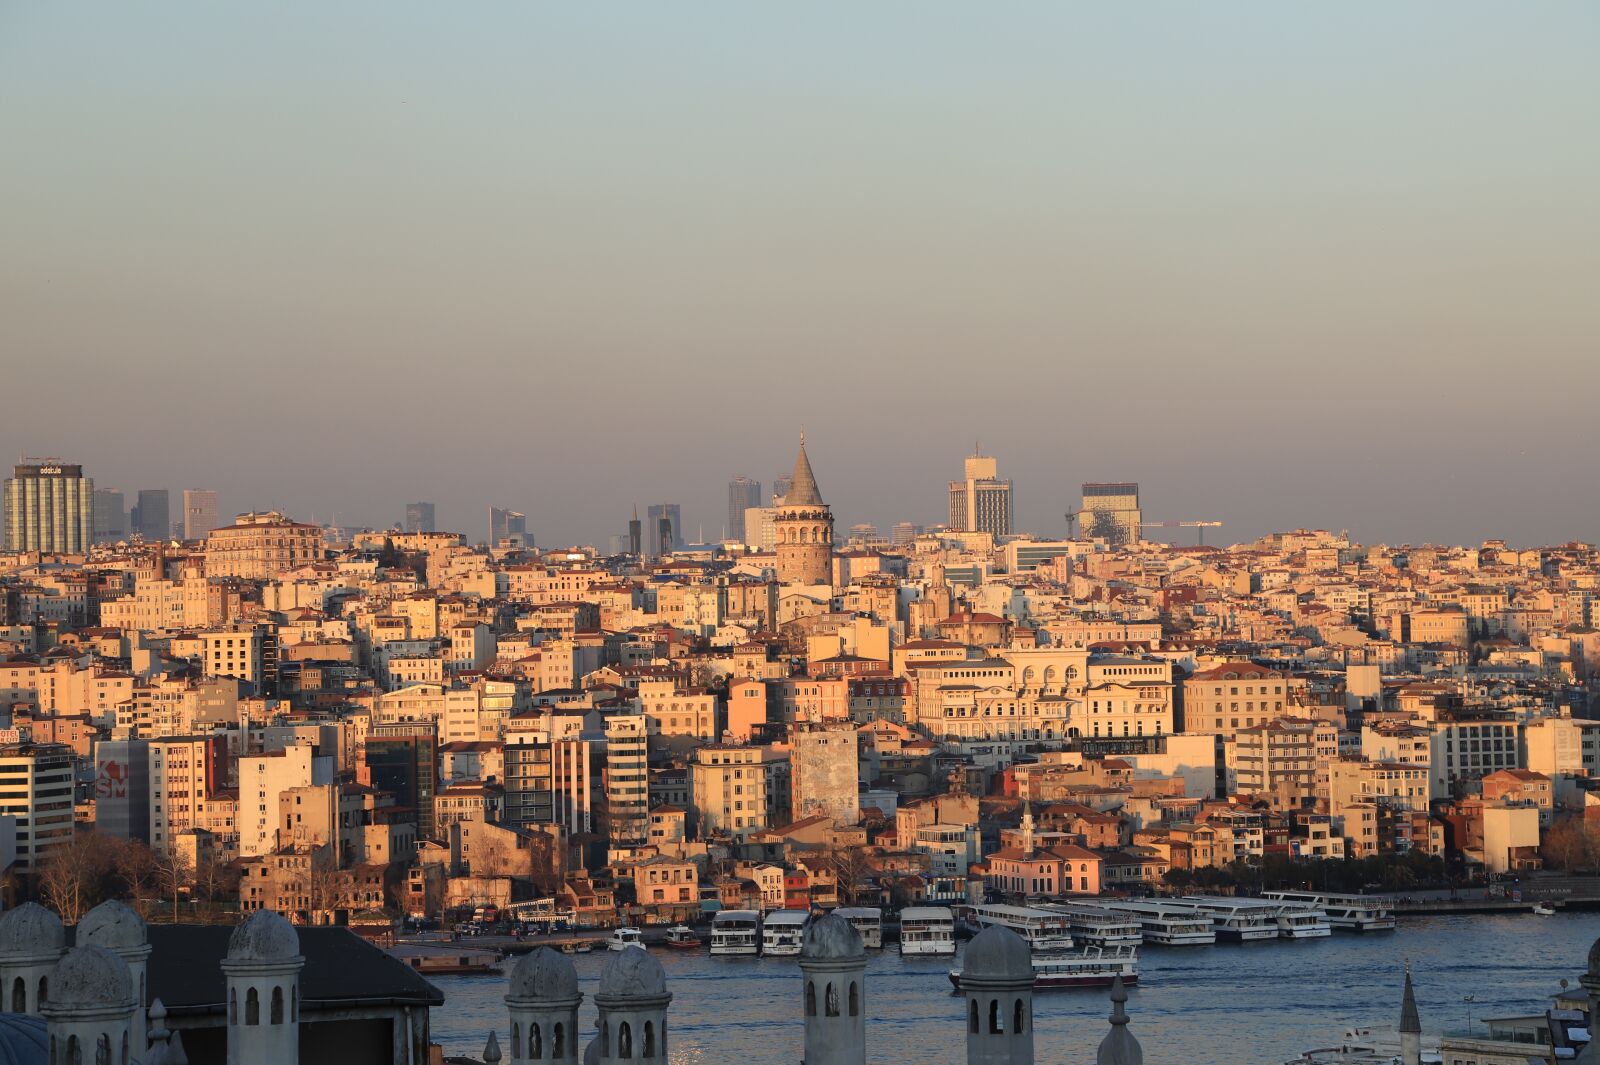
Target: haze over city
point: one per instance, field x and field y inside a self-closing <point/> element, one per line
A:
<point x="1284" y="267"/>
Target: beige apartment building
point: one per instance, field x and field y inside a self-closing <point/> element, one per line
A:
<point x="261" y="546"/>
<point x="1281" y="760"/>
<point x="1234" y="696"/>
<point x="737" y="789"/>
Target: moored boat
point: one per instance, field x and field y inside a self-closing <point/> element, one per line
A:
<point x="623" y="938"/>
<point x="781" y="931"/>
<point x="681" y="937"/>
<point x="927" y="930"/>
<point x="736" y="932"/>
<point x="1086" y="967"/>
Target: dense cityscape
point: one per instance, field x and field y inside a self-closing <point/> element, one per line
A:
<point x="447" y="748"/>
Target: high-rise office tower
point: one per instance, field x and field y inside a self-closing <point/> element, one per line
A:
<point x="981" y="502"/>
<point x="743" y="493"/>
<point x="666" y="527"/>
<point x="49" y="507"/>
<point x="780" y="487"/>
<point x="152" y="515"/>
<point x="635" y="533"/>
<point x="110" y="516"/>
<point x="419" y="518"/>
<point x="199" y="513"/>
<point x="804" y="528"/>
<point x="904" y="532"/>
<point x="1111" y="512"/>
<point x="507" y="525"/>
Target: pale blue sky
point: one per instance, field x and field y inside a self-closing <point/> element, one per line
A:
<point x="1284" y="264"/>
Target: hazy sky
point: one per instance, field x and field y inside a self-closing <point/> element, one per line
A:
<point x="1329" y="264"/>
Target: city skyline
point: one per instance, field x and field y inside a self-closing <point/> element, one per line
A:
<point x="1353" y="300"/>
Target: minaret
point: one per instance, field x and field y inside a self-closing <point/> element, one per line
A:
<point x="1410" y="1026"/>
<point x="1027" y="829"/>
<point x="633" y="1002"/>
<point x="1119" y="1047"/>
<point x="997" y="980"/>
<point x="804" y="529"/>
<point x="543" y="1000"/>
<point x="90" y="1007"/>
<point x="262" y="974"/>
<point x="31" y="942"/>
<point x="117" y="928"/>
<point x="834" y="964"/>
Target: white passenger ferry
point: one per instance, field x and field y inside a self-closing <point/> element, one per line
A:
<point x="780" y="932"/>
<point x="1088" y="967"/>
<point x="1299" y="920"/>
<point x="927" y="930"/>
<point x="868" y="923"/>
<point x="1166" y="924"/>
<point x="1043" y="929"/>
<point x="1096" y="926"/>
<point x="1346" y="913"/>
<point x="1237" y="920"/>
<point x="736" y="932"/>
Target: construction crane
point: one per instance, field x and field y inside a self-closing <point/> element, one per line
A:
<point x="1200" y="527"/>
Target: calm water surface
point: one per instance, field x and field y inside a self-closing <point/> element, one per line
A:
<point x="1229" y="1004"/>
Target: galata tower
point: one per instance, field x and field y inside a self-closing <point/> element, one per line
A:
<point x="804" y="528"/>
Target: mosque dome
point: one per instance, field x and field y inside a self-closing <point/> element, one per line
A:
<point x="24" y="1039"/>
<point x="633" y="973"/>
<point x="264" y="936"/>
<point x="545" y="974"/>
<point x="114" y="926"/>
<point x="997" y="953"/>
<point x="89" y="976"/>
<point x="830" y="937"/>
<point x="30" y="929"/>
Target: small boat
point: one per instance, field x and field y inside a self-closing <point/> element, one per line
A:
<point x="1544" y="909"/>
<point x="441" y="961"/>
<point x="577" y="946"/>
<point x="1087" y="967"/>
<point x="680" y="937"/>
<point x="623" y="938"/>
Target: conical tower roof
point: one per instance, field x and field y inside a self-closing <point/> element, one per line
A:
<point x="1409" y="1021"/>
<point x="803" y="486"/>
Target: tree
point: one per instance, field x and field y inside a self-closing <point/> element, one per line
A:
<point x="173" y="873"/>
<point x="490" y="856"/>
<point x="135" y="865"/>
<point x="75" y="876"/>
<point x="852" y="873"/>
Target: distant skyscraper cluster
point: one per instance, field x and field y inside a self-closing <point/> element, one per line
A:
<point x="151" y="517"/>
<point x="419" y="518"/>
<point x="507" y="526"/>
<point x="665" y="522"/>
<point x="199" y="513"/>
<point x="743" y="494"/>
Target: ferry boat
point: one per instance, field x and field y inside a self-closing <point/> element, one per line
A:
<point x="927" y="930"/>
<point x="781" y="931"/>
<point x="623" y="938"/>
<point x="1236" y="920"/>
<point x="736" y="932"/>
<point x="681" y="937"/>
<point x="1088" y="967"/>
<point x="1168" y="924"/>
<point x="1303" y="921"/>
<point x="1095" y="926"/>
<point x="1043" y="929"/>
<point x="868" y="923"/>
<point x="1346" y="913"/>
